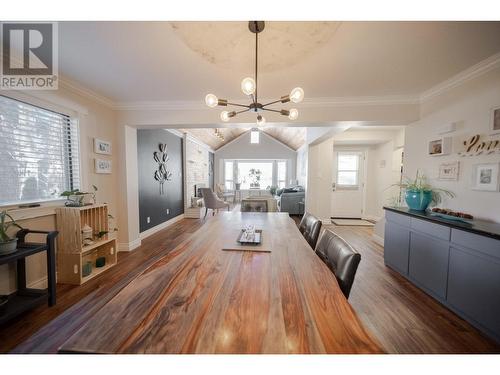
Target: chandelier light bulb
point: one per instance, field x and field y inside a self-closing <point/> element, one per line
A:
<point x="297" y="95"/>
<point x="211" y="100"/>
<point x="294" y="113"/>
<point x="261" y="120"/>
<point x="224" y="116"/>
<point x="248" y="86"/>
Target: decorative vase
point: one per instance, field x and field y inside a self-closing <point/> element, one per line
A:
<point x="418" y="200"/>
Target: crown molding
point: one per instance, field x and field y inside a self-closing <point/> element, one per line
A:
<point x="70" y="85"/>
<point x="464" y="76"/>
<point x="307" y="103"/>
<point x="192" y="138"/>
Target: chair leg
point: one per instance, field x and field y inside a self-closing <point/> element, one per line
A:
<point x="206" y="212"/>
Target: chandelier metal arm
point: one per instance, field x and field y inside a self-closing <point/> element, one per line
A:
<point x="276" y="101"/>
<point x="271" y="110"/>
<point x="245" y="110"/>
<point x="239" y="105"/>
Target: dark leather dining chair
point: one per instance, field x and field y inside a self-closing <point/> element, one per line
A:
<point x="340" y="257"/>
<point x="310" y="227"/>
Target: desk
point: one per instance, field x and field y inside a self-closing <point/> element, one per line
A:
<point x="201" y="299"/>
<point x="27" y="298"/>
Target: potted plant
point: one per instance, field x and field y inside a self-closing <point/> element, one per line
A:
<point x="419" y="194"/>
<point x="254" y="175"/>
<point x="272" y="189"/>
<point x="7" y="244"/>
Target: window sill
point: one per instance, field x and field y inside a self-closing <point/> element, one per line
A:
<point x="46" y="208"/>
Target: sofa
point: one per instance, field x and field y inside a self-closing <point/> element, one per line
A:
<point x="291" y="200"/>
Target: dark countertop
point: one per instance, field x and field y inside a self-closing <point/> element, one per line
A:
<point x="481" y="227"/>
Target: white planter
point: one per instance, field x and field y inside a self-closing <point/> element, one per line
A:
<point x="8" y="247"/>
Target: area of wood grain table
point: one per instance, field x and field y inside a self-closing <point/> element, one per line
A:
<point x="200" y="299"/>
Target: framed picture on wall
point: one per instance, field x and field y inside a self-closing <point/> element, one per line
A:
<point x="495" y="120"/>
<point x="102" y="166"/>
<point x="449" y="171"/>
<point x="485" y="177"/>
<point x="102" y="147"/>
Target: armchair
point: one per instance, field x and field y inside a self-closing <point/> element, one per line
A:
<point x="212" y="201"/>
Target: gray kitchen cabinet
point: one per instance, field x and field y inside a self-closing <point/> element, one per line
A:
<point x="428" y="264"/>
<point x="456" y="263"/>
<point x="396" y="246"/>
<point x="474" y="287"/>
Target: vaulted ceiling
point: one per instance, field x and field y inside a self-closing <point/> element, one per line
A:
<point x="292" y="137"/>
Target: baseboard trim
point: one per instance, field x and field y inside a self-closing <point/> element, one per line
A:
<point x="378" y="239"/>
<point x="371" y="218"/>
<point x="39" y="284"/>
<point x="129" y="246"/>
<point x="160" y="227"/>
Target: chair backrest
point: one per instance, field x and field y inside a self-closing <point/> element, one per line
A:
<point x="209" y="197"/>
<point x="310" y="227"/>
<point x="340" y="257"/>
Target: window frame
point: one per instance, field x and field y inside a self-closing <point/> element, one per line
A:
<point x="274" y="177"/>
<point x="46" y="205"/>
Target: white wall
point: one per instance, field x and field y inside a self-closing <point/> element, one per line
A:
<point x="196" y="168"/>
<point x="470" y="106"/>
<point x="268" y="148"/>
<point x="384" y="162"/>
<point x="319" y="179"/>
<point x="302" y="157"/>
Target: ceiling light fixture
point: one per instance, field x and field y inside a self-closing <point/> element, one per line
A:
<point x="249" y="87"/>
<point x="219" y="135"/>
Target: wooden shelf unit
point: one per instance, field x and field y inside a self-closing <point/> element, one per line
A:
<point x="71" y="254"/>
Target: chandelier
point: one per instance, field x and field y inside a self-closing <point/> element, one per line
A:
<point x="249" y="87"/>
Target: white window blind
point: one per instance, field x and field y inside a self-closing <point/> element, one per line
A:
<point x="39" y="153"/>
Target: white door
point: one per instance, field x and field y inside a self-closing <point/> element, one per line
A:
<point x="348" y="184"/>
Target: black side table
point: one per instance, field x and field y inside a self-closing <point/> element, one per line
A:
<point x="27" y="298"/>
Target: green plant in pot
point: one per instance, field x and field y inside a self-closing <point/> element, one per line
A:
<point x="7" y="243"/>
<point x="419" y="194"/>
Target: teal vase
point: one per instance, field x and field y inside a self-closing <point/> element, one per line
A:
<point x="418" y="200"/>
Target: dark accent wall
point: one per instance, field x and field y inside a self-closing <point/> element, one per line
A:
<point x="211" y="169"/>
<point x="151" y="203"/>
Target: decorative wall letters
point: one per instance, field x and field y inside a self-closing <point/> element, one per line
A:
<point x="480" y="145"/>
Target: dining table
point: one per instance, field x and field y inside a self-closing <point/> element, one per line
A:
<point x="203" y="297"/>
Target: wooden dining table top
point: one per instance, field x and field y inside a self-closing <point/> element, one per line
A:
<point x="201" y="299"/>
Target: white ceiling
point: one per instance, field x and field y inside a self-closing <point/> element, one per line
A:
<point x="154" y="61"/>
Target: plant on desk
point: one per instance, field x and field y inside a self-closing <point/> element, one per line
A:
<point x="419" y="194"/>
<point x="7" y="244"/>
<point x="75" y="197"/>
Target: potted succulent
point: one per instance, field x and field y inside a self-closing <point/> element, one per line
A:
<point x="7" y="244"/>
<point x="419" y="194"/>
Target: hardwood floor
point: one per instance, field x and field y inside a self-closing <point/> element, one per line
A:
<point x="403" y="318"/>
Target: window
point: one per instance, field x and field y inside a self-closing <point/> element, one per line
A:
<point x="255" y="174"/>
<point x="39" y="154"/>
<point x="254" y="136"/>
<point x="281" y="180"/>
<point x="228" y="175"/>
<point x="348" y="169"/>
